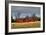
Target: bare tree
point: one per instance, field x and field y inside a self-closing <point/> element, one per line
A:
<point x="33" y="15"/>
<point x="18" y="15"/>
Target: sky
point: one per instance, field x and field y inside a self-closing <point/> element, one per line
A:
<point x="22" y="11"/>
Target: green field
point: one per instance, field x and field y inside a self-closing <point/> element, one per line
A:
<point x="35" y="24"/>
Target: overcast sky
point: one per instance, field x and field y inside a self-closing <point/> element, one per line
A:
<point x="25" y="11"/>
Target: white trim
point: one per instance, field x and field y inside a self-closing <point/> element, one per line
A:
<point x="26" y="29"/>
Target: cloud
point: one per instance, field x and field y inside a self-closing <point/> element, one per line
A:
<point x="25" y="10"/>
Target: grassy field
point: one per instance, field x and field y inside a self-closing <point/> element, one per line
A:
<point x="26" y="25"/>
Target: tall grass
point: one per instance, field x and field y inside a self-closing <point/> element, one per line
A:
<point x="26" y="25"/>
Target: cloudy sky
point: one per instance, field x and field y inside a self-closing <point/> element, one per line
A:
<point x="24" y="11"/>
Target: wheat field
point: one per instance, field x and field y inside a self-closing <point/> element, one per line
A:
<point x="35" y="24"/>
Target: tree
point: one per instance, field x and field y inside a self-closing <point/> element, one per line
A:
<point x="27" y="17"/>
<point x="18" y="15"/>
<point x="12" y="19"/>
<point x="38" y="18"/>
<point x="33" y="15"/>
